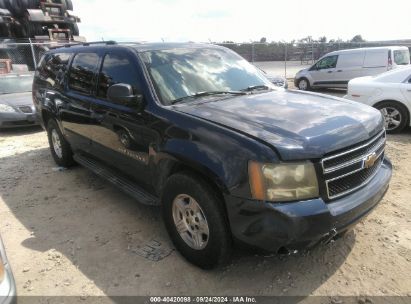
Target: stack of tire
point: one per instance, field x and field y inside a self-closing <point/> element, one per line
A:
<point x="26" y="29"/>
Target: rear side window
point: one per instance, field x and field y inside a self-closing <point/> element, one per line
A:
<point x="375" y="59"/>
<point x="401" y="57"/>
<point x="53" y="69"/>
<point x="117" y="69"/>
<point x="351" y="60"/>
<point x="82" y="72"/>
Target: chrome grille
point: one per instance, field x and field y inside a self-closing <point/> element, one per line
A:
<point x="349" y="170"/>
<point x="26" y="109"/>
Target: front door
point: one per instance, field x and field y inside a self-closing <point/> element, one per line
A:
<point x="323" y="71"/>
<point x="121" y="133"/>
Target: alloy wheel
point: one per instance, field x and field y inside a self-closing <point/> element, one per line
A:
<point x="190" y="221"/>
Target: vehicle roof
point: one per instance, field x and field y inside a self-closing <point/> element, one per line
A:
<point x="369" y="49"/>
<point x="139" y="47"/>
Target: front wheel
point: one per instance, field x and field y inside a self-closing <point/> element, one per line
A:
<point x="395" y="116"/>
<point x="59" y="147"/>
<point x="195" y="220"/>
<point x="303" y="84"/>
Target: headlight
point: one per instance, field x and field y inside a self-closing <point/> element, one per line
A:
<point x="6" y="109"/>
<point x="283" y="182"/>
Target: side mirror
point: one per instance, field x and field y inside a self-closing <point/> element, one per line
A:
<point x="122" y="93"/>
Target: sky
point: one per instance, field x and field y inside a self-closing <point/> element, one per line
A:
<point x="242" y="21"/>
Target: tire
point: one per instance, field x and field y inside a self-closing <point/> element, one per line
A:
<point x="29" y="4"/>
<point x="32" y="29"/>
<point x="74" y="29"/>
<point x="125" y="139"/>
<point x="15" y="7"/>
<point x="68" y="4"/>
<point x="395" y="114"/>
<point x="63" y="156"/>
<point x="186" y="189"/>
<point x="303" y="84"/>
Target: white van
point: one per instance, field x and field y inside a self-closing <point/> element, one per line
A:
<point x="335" y="69"/>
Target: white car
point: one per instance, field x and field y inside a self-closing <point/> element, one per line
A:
<point x="389" y="92"/>
<point x="335" y="69"/>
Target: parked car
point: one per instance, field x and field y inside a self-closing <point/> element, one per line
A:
<point x="198" y="130"/>
<point x="389" y="92"/>
<point x="7" y="284"/>
<point x="16" y="103"/>
<point x="335" y="69"/>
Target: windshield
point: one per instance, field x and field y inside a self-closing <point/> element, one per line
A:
<point x="15" y="84"/>
<point x="402" y="57"/>
<point x="178" y="73"/>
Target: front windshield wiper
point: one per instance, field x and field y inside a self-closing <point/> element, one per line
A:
<point x="256" y="87"/>
<point x="209" y="93"/>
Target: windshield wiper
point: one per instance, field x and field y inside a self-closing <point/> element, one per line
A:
<point x="209" y="93"/>
<point x="256" y="87"/>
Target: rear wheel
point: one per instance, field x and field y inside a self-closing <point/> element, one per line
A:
<point x="74" y="29"/>
<point x="59" y="147"/>
<point x="395" y="115"/>
<point x="195" y="220"/>
<point x="303" y="84"/>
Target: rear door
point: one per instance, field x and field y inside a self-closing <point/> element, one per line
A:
<point x="323" y="71"/>
<point x="349" y="66"/>
<point x="121" y="133"/>
<point x="75" y="113"/>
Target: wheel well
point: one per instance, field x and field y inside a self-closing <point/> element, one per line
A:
<point x="181" y="168"/>
<point x="398" y="102"/>
<point x="46" y="117"/>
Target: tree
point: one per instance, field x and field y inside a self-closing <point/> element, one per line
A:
<point x="357" y="38"/>
<point x="263" y="40"/>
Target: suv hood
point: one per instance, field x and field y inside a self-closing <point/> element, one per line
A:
<point x="299" y="125"/>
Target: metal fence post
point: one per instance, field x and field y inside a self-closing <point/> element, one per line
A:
<point x="252" y="52"/>
<point x="285" y="61"/>
<point x="33" y="54"/>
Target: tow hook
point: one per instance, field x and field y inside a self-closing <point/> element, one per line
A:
<point x="330" y="236"/>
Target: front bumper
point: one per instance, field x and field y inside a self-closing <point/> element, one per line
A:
<point x="17" y="119"/>
<point x="297" y="225"/>
<point x="8" y="293"/>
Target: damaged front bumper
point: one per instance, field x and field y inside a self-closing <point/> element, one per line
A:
<point x="297" y="225"/>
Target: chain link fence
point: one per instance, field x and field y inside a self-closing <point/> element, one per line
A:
<point x="286" y="59"/>
<point x="24" y="55"/>
<point x="277" y="58"/>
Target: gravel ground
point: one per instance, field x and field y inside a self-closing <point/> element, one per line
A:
<point x="67" y="232"/>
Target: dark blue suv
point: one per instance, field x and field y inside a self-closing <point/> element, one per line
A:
<point x="198" y="130"/>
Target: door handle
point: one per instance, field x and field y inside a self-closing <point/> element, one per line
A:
<point x="409" y="90"/>
<point x="339" y="70"/>
<point x="329" y="72"/>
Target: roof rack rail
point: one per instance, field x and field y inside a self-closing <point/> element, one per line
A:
<point x="109" y="42"/>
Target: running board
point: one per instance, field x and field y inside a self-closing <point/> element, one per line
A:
<point x="117" y="180"/>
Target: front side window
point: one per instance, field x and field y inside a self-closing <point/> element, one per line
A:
<point x="82" y="72"/>
<point x="402" y="57"/>
<point x="182" y="72"/>
<point x="329" y="62"/>
<point x="117" y="69"/>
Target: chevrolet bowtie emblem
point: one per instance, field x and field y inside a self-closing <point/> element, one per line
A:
<point x="370" y="160"/>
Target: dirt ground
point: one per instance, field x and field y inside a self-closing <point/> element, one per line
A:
<point x="67" y="232"/>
